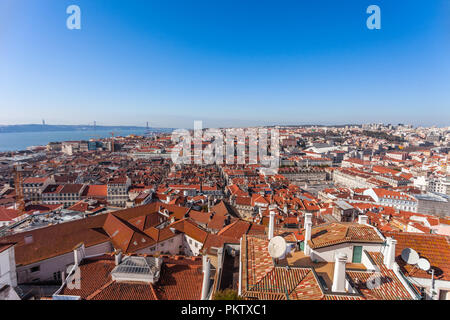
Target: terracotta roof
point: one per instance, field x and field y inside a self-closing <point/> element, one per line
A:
<point x="35" y="180"/>
<point x="114" y="290"/>
<point x="95" y="191"/>
<point x="94" y="274"/>
<point x="235" y="229"/>
<point x="333" y="233"/>
<point x="190" y="228"/>
<point x="57" y="239"/>
<point x="9" y="214"/>
<point x="435" y="248"/>
<point x="5" y="246"/>
<point x="261" y="279"/>
<point x="389" y="287"/>
<point x="62" y="238"/>
<point x="180" y="279"/>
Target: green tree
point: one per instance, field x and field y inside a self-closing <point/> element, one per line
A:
<point x="227" y="294"/>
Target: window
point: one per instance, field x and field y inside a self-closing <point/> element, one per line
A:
<point x="57" y="276"/>
<point x="423" y="293"/>
<point x="35" y="269"/>
<point x="28" y="239"/>
<point x="357" y="254"/>
<point x="302" y="245"/>
<point x="444" y="294"/>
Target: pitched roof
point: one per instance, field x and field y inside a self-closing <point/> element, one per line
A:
<point x="9" y="214"/>
<point x="180" y="279"/>
<point x="389" y="287"/>
<point x="54" y="240"/>
<point x="333" y="233"/>
<point x="435" y="248"/>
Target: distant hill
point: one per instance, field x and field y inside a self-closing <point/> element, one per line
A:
<point x="49" y="128"/>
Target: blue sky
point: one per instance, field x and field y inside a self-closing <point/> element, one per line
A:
<point x="228" y="63"/>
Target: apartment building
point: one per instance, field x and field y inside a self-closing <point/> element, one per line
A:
<point x="34" y="186"/>
<point x="398" y="200"/>
<point x="66" y="194"/>
<point x="117" y="191"/>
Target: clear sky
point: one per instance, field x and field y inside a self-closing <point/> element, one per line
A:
<point x="228" y="63"/>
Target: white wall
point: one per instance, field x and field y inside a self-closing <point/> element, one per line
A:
<point x="426" y="283"/>
<point x="8" y="268"/>
<point x="191" y="246"/>
<point x="328" y="253"/>
<point x="48" y="267"/>
<point x="171" y="245"/>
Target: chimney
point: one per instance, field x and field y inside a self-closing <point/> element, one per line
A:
<point x="158" y="262"/>
<point x="339" y="273"/>
<point x="362" y="219"/>
<point x="390" y="259"/>
<point x="118" y="258"/>
<point x="206" y="277"/>
<point x="78" y="254"/>
<point x="271" y="224"/>
<point x="63" y="277"/>
<point x="386" y="249"/>
<point x="308" y="226"/>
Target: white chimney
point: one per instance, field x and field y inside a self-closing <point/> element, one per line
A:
<point x="206" y="277"/>
<point x="63" y="277"/>
<point x="308" y="226"/>
<point x="339" y="273"/>
<point x="118" y="258"/>
<point x="158" y="262"/>
<point x="78" y="254"/>
<point x="386" y="249"/>
<point x="362" y="219"/>
<point x="271" y="224"/>
<point x="390" y="259"/>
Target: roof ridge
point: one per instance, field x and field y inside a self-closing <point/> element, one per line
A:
<point x="96" y="292"/>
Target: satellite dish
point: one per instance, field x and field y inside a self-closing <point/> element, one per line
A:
<point x="277" y="247"/>
<point x="410" y="256"/>
<point x="424" y="264"/>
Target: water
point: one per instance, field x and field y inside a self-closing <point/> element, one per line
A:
<point x="22" y="140"/>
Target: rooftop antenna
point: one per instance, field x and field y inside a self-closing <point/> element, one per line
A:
<point x="277" y="247"/>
